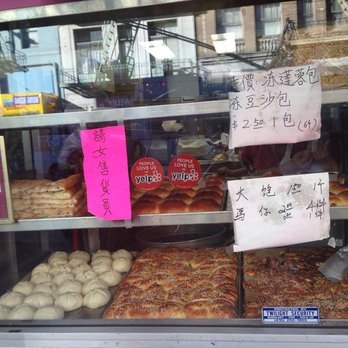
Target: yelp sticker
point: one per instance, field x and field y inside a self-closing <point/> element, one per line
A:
<point x="184" y="171"/>
<point x="146" y="174"/>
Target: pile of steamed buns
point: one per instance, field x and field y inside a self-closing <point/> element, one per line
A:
<point x="65" y="283"/>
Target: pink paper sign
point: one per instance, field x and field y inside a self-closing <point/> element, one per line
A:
<point x="105" y="168"/>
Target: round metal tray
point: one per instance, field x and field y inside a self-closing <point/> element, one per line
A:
<point x="193" y="236"/>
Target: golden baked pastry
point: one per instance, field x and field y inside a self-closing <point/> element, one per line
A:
<point x="173" y="206"/>
<point x="145" y="207"/>
<point x="204" y="204"/>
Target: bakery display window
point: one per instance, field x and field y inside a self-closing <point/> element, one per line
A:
<point x="165" y="72"/>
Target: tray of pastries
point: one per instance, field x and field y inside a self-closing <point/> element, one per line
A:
<point x="209" y="195"/>
<point x="178" y="283"/>
<point x="290" y="277"/>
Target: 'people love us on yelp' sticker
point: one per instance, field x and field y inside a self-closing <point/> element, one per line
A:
<point x="146" y="174"/>
<point x="184" y="171"/>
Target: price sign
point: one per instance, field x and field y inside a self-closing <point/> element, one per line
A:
<point x="276" y="106"/>
<point x="6" y="213"/>
<point x="105" y="168"/>
<point x="146" y="174"/>
<point x="184" y="171"/>
<point x="278" y="211"/>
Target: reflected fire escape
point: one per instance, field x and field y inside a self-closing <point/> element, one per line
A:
<point x="11" y="60"/>
<point x="110" y="75"/>
<point x="114" y="74"/>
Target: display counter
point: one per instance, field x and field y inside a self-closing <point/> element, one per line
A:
<point x="167" y="275"/>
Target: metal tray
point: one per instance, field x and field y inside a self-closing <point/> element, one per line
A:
<point x="193" y="236"/>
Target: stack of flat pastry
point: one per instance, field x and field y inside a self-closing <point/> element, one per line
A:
<point x="178" y="283"/>
<point x="33" y="199"/>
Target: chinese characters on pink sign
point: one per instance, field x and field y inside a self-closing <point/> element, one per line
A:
<point x="276" y="106"/>
<point x="278" y="211"/>
<point x="106" y="172"/>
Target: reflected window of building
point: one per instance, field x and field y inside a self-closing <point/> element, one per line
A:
<point x="335" y="11"/>
<point x="124" y="64"/>
<point x="268" y="20"/>
<point x="88" y="49"/>
<point x="157" y="31"/>
<point x="229" y="20"/>
<point x="305" y="10"/>
<point x="125" y="38"/>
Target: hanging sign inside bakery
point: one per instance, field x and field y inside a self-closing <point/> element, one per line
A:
<point x="105" y="168"/>
<point x="277" y="106"/>
<point x="279" y="211"/>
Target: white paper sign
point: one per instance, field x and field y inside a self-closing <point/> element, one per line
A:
<point x="278" y="106"/>
<point x="278" y="211"/>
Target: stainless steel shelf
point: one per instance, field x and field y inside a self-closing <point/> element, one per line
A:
<point x="105" y="115"/>
<point x="339" y="213"/>
<point x="335" y="97"/>
<point x="168" y="333"/>
<point x="141" y="220"/>
<point x="89" y="222"/>
<point x="148" y="112"/>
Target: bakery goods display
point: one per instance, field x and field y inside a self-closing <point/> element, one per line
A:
<point x="290" y="277"/>
<point x="178" y="283"/>
<point x="207" y="196"/>
<point x="34" y="199"/>
<point x="55" y="287"/>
